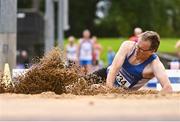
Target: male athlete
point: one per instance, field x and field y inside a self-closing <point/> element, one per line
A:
<point x="135" y="64"/>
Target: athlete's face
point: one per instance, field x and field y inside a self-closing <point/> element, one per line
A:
<point x="143" y="48"/>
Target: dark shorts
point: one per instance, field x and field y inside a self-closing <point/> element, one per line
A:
<point x="102" y="73"/>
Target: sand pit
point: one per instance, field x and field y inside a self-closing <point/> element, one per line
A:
<point x="50" y="106"/>
<point x="52" y="90"/>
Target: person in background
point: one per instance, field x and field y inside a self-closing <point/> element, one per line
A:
<point x="71" y="50"/>
<point x="110" y="55"/>
<point x="175" y="64"/>
<point x="97" y="51"/>
<point x="137" y="32"/>
<point x="85" y="51"/>
<point x="177" y="47"/>
<point x="19" y="65"/>
<point x="22" y="60"/>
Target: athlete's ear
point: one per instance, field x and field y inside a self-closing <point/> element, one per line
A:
<point x="153" y="51"/>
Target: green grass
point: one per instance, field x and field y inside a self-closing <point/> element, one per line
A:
<point x="167" y="45"/>
<point x="109" y="42"/>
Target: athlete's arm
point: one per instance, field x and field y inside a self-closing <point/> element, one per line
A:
<point x="117" y="62"/>
<point x="161" y="75"/>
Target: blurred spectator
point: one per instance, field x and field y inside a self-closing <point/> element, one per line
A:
<point x="177" y="46"/>
<point x="71" y="50"/>
<point x="110" y="55"/>
<point x="97" y="51"/>
<point x="175" y="64"/>
<point x="85" y="51"/>
<point x="137" y="32"/>
<point x="97" y="48"/>
<point x="19" y="63"/>
<point x="23" y="60"/>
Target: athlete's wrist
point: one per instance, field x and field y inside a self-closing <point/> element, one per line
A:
<point x="167" y="89"/>
<point x="109" y="84"/>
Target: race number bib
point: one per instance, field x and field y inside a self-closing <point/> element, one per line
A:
<point x="122" y="81"/>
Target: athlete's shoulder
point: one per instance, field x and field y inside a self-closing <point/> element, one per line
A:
<point x="128" y="44"/>
<point x="156" y="61"/>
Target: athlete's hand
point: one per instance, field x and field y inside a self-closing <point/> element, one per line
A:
<point x="109" y="84"/>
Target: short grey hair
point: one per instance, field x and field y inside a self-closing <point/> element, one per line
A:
<point x="153" y="37"/>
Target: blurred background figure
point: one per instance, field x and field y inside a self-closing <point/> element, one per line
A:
<point x="19" y="64"/>
<point x="97" y="51"/>
<point x="85" y="51"/>
<point x="137" y="31"/>
<point x="110" y="55"/>
<point x="177" y="47"/>
<point x="71" y="50"/>
<point x="25" y="58"/>
<point x="175" y="64"/>
<point x="22" y="60"/>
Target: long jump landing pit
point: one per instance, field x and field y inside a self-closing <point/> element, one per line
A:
<point x="77" y="98"/>
<point x="49" y="106"/>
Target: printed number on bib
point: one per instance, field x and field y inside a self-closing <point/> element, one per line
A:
<point x="122" y="81"/>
